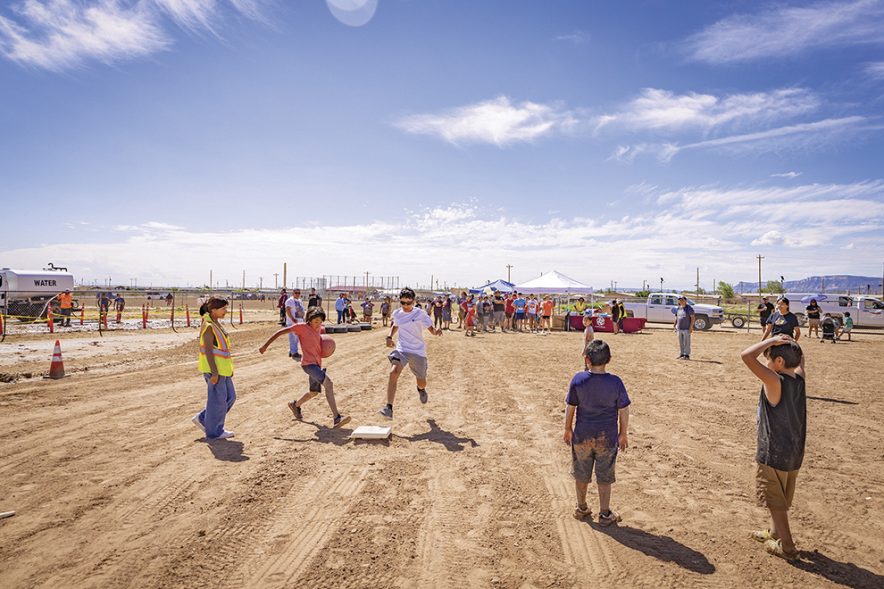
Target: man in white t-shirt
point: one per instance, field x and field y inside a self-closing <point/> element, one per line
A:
<point x="409" y="322"/>
<point x="294" y="313"/>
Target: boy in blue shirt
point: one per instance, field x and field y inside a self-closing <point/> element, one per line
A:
<point x="599" y="401"/>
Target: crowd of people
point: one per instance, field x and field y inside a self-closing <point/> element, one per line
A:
<point x="596" y="404"/>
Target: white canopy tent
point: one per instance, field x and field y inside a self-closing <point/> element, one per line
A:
<point x="554" y="283"/>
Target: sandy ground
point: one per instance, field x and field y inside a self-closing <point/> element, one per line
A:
<point x="114" y="487"/>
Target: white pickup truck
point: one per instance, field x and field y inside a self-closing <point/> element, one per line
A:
<point x="864" y="310"/>
<point x="659" y="308"/>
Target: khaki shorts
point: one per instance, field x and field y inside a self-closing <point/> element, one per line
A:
<point x="814" y="322"/>
<point x="774" y="488"/>
<point x="418" y="364"/>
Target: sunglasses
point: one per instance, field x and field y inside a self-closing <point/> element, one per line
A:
<point x="406" y="301"/>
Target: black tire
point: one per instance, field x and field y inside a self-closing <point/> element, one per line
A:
<point x="702" y="323"/>
<point x="738" y="322"/>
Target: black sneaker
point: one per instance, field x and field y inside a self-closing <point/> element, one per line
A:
<point x="340" y="420"/>
<point x="296" y="356"/>
<point x="296" y="410"/>
<point x="386" y="412"/>
<point x="422" y="394"/>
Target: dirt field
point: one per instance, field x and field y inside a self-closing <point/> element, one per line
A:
<point x="114" y="486"/>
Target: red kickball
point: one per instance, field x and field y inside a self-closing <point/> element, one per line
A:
<point x="328" y="345"/>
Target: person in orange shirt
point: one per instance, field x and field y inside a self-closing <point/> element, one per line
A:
<point x="66" y="305"/>
<point x="546" y="314"/>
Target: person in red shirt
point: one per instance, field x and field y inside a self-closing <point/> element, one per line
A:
<point x="546" y="308"/>
<point x="311" y="363"/>
<point x="469" y="309"/>
<point x="509" y="310"/>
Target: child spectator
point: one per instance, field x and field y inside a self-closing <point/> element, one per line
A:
<point x="367" y="310"/>
<point x="599" y="401"/>
<point x="385" y="310"/>
<point x="848" y="326"/>
<point x="446" y="313"/>
<point x="588" y="333"/>
<point x="546" y="309"/>
<point x="311" y="363"/>
<point x="782" y="430"/>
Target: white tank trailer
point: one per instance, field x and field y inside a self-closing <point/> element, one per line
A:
<point x="25" y="293"/>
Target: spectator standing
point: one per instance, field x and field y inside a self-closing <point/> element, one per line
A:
<point x="314" y="300"/>
<point x="782" y="322"/>
<point x="280" y="304"/>
<point x="684" y="327"/>
<point x="65" y="306"/>
<point x="813" y="318"/>
<point x="294" y="313"/>
<point x="341" y="306"/>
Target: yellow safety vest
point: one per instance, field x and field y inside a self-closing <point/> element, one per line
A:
<point x="220" y="351"/>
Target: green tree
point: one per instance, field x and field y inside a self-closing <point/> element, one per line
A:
<point x="726" y="290"/>
<point x="775" y="287"/>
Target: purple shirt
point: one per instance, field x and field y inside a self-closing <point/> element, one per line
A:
<point x="598" y="398"/>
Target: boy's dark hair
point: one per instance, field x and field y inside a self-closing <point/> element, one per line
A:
<point x="313" y="313"/>
<point x="790" y="353"/>
<point x="847" y="313"/>
<point x="407" y="293"/>
<point x="598" y="352"/>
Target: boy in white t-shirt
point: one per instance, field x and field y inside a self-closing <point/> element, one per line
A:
<point x="409" y="322"/>
<point x="294" y="313"/>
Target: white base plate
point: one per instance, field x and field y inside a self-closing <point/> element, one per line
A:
<point x="372" y="432"/>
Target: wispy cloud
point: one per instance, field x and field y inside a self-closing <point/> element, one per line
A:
<point x="786" y="175"/>
<point x="875" y="70"/>
<point x="778" y="138"/>
<point x="57" y="35"/>
<point x="656" y="109"/>
<point x="499" y="121"/>
<point x="786" y="31"/>
<point x="718" y="228"/>
<point x="575" y="37"/>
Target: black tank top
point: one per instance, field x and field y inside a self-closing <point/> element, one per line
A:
<point x="782" y="430"/>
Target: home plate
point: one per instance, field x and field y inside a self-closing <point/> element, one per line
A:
<point x="372" y="432"/>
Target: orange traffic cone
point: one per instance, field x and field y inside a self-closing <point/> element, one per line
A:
<point x="56" y="369"/>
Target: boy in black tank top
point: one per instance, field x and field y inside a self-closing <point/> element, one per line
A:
<point x="782" y="431"/>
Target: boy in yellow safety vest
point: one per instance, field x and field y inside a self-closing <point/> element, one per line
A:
<point x="217" y="368"/>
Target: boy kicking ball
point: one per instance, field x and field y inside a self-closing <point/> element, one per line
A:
<point x="410" y="351"/>
<point x="311" y="363"/>
<point x="599" y="401"/>
<point x="782" y="429"/>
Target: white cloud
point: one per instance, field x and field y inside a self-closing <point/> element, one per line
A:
<point x="575" y="37"/>
<point x="719" y="229"/>
<point x="801" y="135"/>
<point x="786" y="31"/>
<point x="57" y="35"/>
<point x="656" y="109"/>
<point x="786" y="175"/>
<point x="875" y="70"/>
<point x="498" y="121"/>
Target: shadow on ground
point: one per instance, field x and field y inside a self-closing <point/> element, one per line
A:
<point x="660" y="547"/>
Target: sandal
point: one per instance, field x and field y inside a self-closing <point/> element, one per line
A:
<point x="775" y="547"/>
<point x="761" y="536"/>
<point x="582" y="513"/>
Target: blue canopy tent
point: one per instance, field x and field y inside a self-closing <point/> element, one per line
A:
<point x="496" y="286"/>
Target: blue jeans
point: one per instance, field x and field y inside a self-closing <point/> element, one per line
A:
<point x="340" y="316"/>
<point x="220" y="399"/>
<point x="684" y="342"/>
<point x="293" y="343"/>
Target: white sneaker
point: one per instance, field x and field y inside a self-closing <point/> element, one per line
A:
<point x="196" y="421"/>
<point x="225" y="434"/>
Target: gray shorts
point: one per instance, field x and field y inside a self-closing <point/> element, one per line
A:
<point x="498" y="316"/>
<point x="593" y="455"/>
<point x="316" y="376"/>
<point x="418" y="364"/>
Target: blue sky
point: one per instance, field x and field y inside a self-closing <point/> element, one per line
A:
<point x="159" y="139"/>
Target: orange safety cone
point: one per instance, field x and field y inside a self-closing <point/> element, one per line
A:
<point x="144" y="317"/>
<point x="82" y="314"/>
<point x="187" y="312"/>
<point x="56" y="369"/>
<point x="240" y="313"/>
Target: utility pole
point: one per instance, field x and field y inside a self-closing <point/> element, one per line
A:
<point x="661" y="284"/>
<point x="243" y="279"/>
<point x="698" y="281"/>
<point x="260" y="283"/>
<point x="211" y="284"/>
<point x="509" y="277"/>
<point x="760" y="257"/>
<point x="285" y="270"/>
<point x="276" y="281"/>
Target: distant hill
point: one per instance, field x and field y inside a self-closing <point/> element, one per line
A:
<point x="839" y="283"/>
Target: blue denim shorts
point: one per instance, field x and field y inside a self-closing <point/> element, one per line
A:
<point x="592" y="455"/>
<point x="316" y="376"/>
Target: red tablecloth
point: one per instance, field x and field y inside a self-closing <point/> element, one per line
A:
<point x="605" y="324"/>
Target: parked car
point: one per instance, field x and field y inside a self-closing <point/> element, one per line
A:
<point x="660" y="308"/>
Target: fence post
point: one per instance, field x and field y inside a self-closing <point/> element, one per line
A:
<point x="240" y="313"/>
<point x="49" y="320"/>
<point x="82" y="314"/>
<point x="187" y="313"/>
